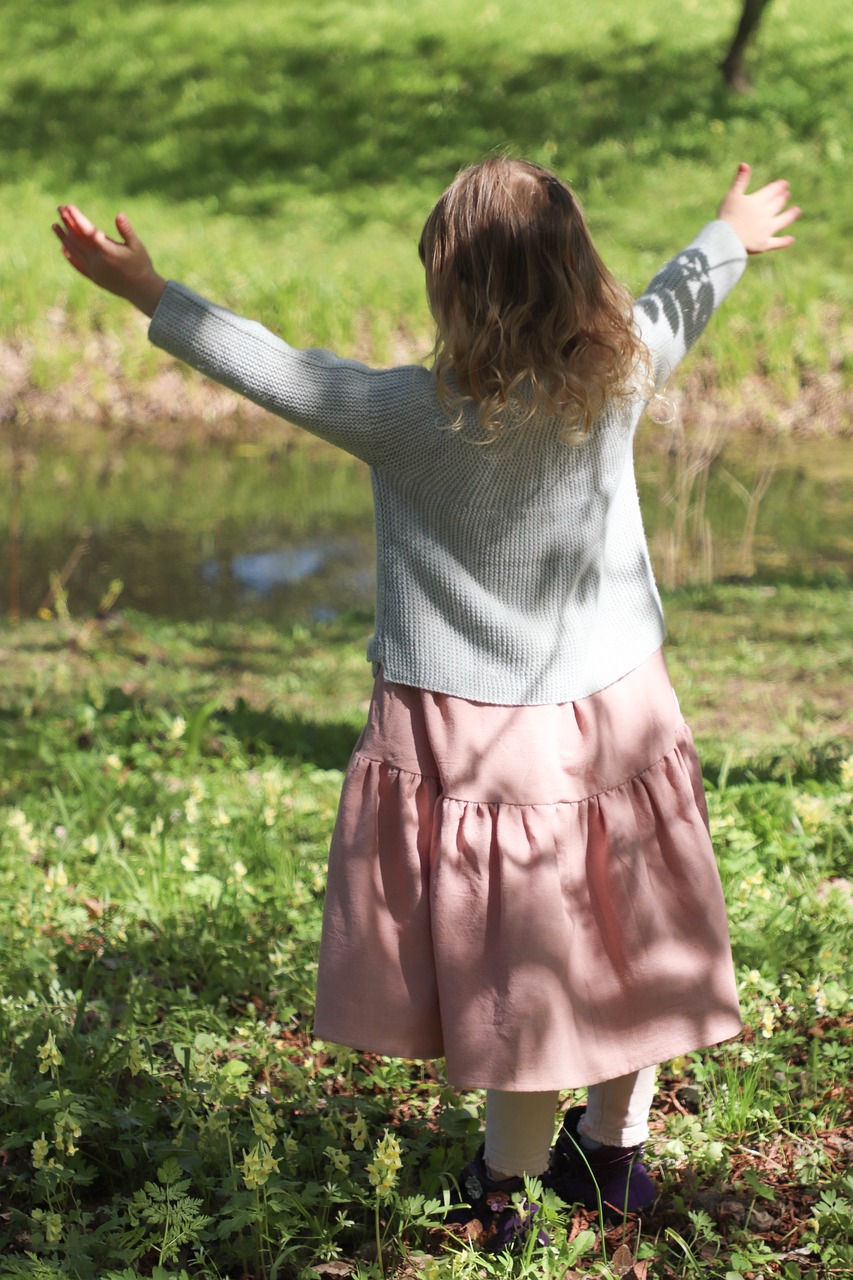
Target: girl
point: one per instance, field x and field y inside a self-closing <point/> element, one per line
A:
<point x="520" y="877"/>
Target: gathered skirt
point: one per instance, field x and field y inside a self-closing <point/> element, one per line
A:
<point x="528" y="892"/>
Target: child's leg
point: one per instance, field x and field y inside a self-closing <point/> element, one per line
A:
<point x="617" y="1111"/>
<point x="519" y="1132"/>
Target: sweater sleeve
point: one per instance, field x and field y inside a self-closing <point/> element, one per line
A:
<point x="345" y="402"/>
<point x="683" y="296"/>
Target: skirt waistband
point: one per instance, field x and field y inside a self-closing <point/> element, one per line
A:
<point x="551" y="754"/>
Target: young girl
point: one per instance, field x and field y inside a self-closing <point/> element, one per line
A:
<point x="520" y="878"/>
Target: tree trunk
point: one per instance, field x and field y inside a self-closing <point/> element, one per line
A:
<point x="733" y="65"/>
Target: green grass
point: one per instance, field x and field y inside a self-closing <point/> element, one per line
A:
<point x="166" y="799"/>
<point x="283" y="157"/>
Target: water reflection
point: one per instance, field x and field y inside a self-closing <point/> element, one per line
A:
<point x="268" y="569"/>
<point x="213" y="534"/>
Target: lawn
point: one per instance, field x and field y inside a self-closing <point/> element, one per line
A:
<point x="167" y="790"/>
<point x="283" y="156"/>
<point x="166" y="800"/>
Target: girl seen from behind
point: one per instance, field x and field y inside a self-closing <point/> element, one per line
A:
<point x="520" y="877"/>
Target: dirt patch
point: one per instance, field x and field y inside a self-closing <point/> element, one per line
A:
<point x="100" y="391"/>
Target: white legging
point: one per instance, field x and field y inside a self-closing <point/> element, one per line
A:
<point x="520" y="1126"/>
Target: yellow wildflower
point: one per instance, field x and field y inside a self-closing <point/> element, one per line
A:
<point x="52" y="1228"/>
<point x="41" y="1147"/>
<point x="817" y="993"/>
<point x="338" y="1159"/>
<point x="257" y="1166"/>
<point x="66" y="1132"/>
<point x="812" y="811"/>
<point x="358" y="1133"/>
<point x="263" y="1122"/>
<point x="382" y="1170"/>
<point x="56" y="878"/>
<point x="49" y="1055"/>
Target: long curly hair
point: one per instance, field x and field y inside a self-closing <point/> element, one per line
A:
<point x="526" y="312"/>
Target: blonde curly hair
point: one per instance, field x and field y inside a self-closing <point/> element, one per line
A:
<point x="526" y="312"/>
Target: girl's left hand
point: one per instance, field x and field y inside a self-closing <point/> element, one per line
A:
<point x="758" y="217"/>
<point x="121" y="267"/>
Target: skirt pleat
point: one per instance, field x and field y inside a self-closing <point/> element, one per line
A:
<point x="528" y="892"/>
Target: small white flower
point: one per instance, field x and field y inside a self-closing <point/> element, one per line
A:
<point x="190" y="860"/>
<point x="17" y="820"/>
<point x="177" y="728"/>
<point x="55" y="878"/>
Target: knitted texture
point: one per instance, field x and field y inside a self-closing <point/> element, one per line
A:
<point x="513" y="572"/>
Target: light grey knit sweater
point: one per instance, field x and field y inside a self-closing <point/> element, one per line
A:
<point x="515" y="572"/>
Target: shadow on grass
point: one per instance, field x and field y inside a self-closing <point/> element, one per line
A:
<point x="327" y="745"/>
<point x="236" y="113"/>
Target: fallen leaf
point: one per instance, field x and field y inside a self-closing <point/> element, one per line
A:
<point x="622" y="1261"/>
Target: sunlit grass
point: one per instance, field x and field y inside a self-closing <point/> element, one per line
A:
<point x="166" y="799"/>
<point x="283" y="157"/>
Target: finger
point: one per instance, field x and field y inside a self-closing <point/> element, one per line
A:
<point x="71" y="227"/>
<point x="76" y="220"/>
<point x="741" y="179"/>
<point x="64" y="237"/>
<point x="79" y="225"/>
<point x="78" y="266"/>
<point x="126" y="231"/>
<point x="780" y="242"/>
<point x="790" y="215"/>
<point x="775" y="193"/>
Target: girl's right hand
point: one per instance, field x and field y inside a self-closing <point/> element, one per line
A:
<point x="121" y="267"/>
<point x="756" y="218"/>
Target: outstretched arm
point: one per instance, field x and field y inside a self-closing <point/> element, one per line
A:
<point x="683" y="296"/>
<point x="757" y="218"/>
<point x="121" y="267"/>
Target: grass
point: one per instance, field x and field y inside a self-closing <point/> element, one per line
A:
<point x="167" y="791"/>
<point x="284" y="157"/>
<point x="166" y="798"/>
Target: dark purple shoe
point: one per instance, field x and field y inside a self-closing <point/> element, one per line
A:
<point x="503" y="1224"/>
<point x="616" y="1174"/>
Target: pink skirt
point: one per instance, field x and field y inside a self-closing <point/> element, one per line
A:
<point x="528" y="892"/>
